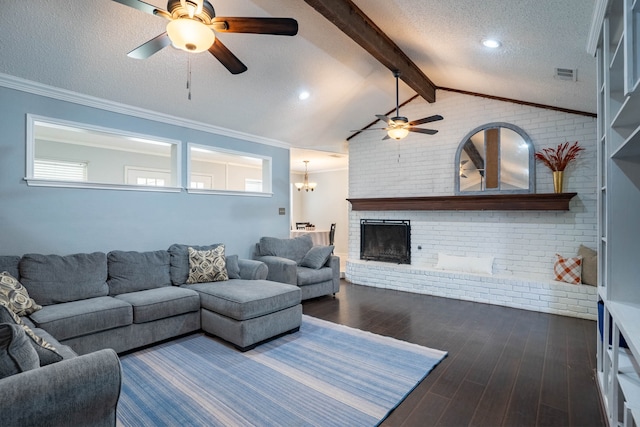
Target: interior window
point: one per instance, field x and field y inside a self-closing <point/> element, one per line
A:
<point x="62" y="153"/>
<point x="213" y="170"/>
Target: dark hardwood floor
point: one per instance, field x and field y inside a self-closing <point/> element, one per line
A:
<point x="505" y="367"/>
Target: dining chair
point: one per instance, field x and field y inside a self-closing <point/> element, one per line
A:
<point x="332" y="233"/>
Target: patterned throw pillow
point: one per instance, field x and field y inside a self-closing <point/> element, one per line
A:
<point x="207" y="266"/>
<point x="568" y="270"/>
<point x="15" y="296"/>
<point x="46" y="352"/>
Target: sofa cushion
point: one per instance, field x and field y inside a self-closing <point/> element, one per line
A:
<point x="154" y="304"/>
<point x="233" y="268"/>
<point x="15" y="296"/>
<point x="47" y="353"/>
<point x="53" y="279"/>
<point x="317" y="256"/>
<point x="77" y="318"/>
<point x="207" y="266"/>
<point x="179" y="259"/>
<point x="246" y="299"/>
<point x="294" y="249"/>
<point x="311" y="276"/>
<point x="16" y="352"/>
<point x="9" y="263"/>
<point x="137" y="271"/>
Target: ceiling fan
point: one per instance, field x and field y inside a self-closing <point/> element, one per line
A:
<point x="399" y="127"/>
<point x="192" y="27"/>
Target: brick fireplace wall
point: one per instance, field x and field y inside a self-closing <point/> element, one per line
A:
<point x="523" y="242"/>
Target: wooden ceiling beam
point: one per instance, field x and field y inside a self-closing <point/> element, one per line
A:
<point x="354" y="23"/>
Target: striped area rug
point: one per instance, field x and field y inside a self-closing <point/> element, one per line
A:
<point x="324" y="375"/>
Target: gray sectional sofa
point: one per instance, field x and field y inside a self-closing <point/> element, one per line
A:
<point x="97" y="305"/>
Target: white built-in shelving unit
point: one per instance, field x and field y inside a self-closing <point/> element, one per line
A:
<point x="615" y="41"/>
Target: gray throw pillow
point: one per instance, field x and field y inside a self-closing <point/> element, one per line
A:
<point x="16" y="353"/>
<point x="233" y="269"/>
<point x="589" y="265"/>
<point x="46" y="352"/>
<point x="316" y="257"/>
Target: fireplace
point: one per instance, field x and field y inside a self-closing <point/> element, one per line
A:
<point x="385" y="240"/>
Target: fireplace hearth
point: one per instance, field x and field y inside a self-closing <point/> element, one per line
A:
<point x="385" y="240"/>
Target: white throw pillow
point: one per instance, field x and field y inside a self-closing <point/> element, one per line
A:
<point x="465" y="264"/>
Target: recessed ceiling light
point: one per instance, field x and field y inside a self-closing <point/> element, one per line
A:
<point x="491" y="43"/>
<point x="303" y="95"/>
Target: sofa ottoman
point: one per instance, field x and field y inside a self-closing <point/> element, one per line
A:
<point x="248" y="312"/>
<point x="244" y="311"/>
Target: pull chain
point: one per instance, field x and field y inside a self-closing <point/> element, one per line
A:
<point x="189" y="77"/>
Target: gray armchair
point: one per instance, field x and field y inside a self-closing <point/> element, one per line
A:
<point x="80" y="391"/>
<point x="297" y="262"/>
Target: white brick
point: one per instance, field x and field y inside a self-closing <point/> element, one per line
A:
<point x="523" y="243"/>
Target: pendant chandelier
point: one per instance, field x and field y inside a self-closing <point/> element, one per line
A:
<point x="305" y="185"/>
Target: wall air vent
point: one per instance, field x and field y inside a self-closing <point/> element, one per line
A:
<point x="566" y="74"/>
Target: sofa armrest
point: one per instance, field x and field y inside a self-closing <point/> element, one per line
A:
<point x="334" y="263"/>
<point x="81" y="391"/>
<point x="252" y="270"/>
<point x="281" y="270"/>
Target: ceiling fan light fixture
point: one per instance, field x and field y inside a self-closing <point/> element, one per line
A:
<point x="398" y="128"/>
<point x="190" y="35"/>
<point x="194" y="9"/>
<point x="398" y="133"/>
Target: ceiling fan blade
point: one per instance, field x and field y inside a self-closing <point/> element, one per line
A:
<point x="367" y="129"/>
<point x="275" y="26"/>
<point x="426" y="120"/>
<point x="140" y="5"/>
<point x="383" y="118"/>
<point x="427" y="131"/>
<point x="149" y="48"/>
<point x="228" y="59"/>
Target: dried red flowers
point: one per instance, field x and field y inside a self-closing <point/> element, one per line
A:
<point x="558" y="158"/>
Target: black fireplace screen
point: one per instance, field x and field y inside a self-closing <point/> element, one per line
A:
<point x="385" y="240"/>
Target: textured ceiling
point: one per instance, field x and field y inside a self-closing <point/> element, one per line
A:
<point x="81" y="46"/>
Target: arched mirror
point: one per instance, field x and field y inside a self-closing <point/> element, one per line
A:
<point x="495" y="158"/>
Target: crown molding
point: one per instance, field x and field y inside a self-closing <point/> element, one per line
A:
<point x="596" y="25"/>
<point x="28" y="86"/>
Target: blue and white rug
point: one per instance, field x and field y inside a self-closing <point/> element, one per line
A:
<point x="324" y="375"/>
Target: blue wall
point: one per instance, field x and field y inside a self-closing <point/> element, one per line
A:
<point x="69" y="220"/>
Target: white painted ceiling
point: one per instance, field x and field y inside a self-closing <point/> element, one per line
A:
<point x="82" y="45"/>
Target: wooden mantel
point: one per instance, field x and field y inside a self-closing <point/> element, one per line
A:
<point x="495" y="202"/>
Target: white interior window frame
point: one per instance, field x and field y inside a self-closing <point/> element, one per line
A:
<point x="128" y="169"/>
<point x="201" y="176"/>
<point x="267" y="174"/>
<point x="31" y="180"/>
